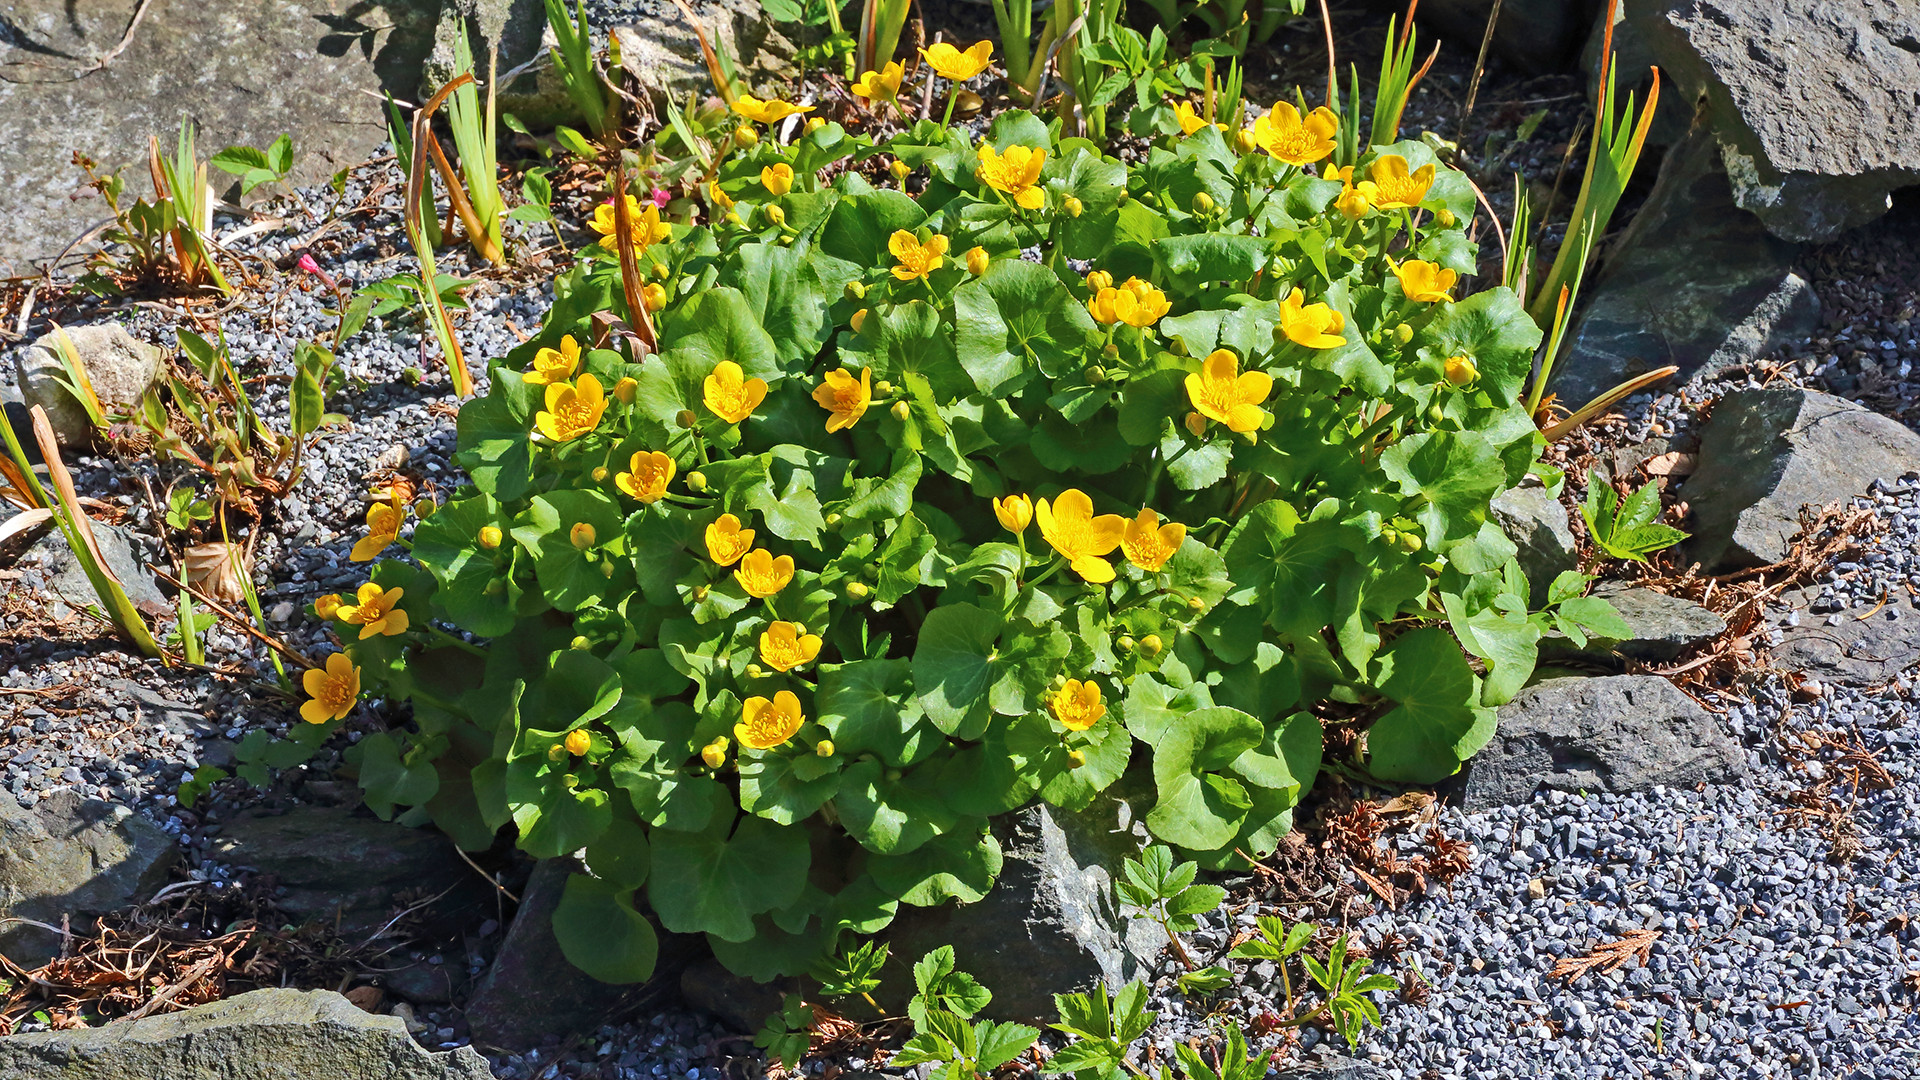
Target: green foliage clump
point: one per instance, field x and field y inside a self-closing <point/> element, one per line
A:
<point x="924" y="507"/>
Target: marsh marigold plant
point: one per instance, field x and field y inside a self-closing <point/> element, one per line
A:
<point x="1178" y="461"/>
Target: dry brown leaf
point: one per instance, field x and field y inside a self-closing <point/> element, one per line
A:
<point x="1636" y="945"/>
<point x="1672" y="463"/>
<point x="215" y="570"/>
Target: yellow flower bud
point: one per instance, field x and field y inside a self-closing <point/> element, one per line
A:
<point x="734" y="218"/>
<point x="859" y="319"/>
<point x="714" y="753"/>
<point x="580" y="642"/>
<point x="823" y="748"/>
<point x="1076" y="759"/>
<point x="1098" y="280"/>
<point x="857" y="591"/>
<point x="977" y="260"/>
<point x="1197" y="424"/>
<point x="1445" y="218"/>
<point x="774" y="215"/>
<point x="490" y="536"/>
<point x="755" y="671"/>
<point x="685" y="419"/>
<point x="599" y="473"/>
<point x="626" y="390"/>
<point x="1244" y="142"/>
<point x="856" y="290"/>
<point x="1409" y="543"/>
<point x="746" y="135"/>
<point x="899" y="169"/>
<point x="1072" y="206"/>
<point x="699" y="594"/>
<point x="582" y="535"/>
<point x="556" y="751"/>
<point x="1203" y="203"/>
<point x="1194" y="603"/>
<point x="1403" y="333"/>
<point x="1461" y="370"/>
<point x="901" y="410"/>
<point x="832" y="520"/>
<point x="696" y="481"/>
<point x="815" y="123"/>
<point x="579" y="741"/>
<point x="653" y="297"/>
<point x="1150" y="645"/>
<point x="1097" y="375"/>
<point x="882" y="388"/>
<point x="660" y="271"/>
<point x="330" y="603"/>
<point x="1126" y="643"/>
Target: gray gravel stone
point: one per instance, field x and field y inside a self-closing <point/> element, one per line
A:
<point x="1615" y="733"/>
<point x="264" y="1035"/>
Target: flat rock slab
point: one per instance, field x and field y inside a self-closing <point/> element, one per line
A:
<point x="264" y="1035"/>
<point x="331" y="864"/>
<point x="1617" y="733"/>
<point x="244" y="71"/>
<point x="59" y="576"/>
<point x="76" y="857"/>
<point x="1695" y="282"/>
<point x="1811" y="100"/>
<point x="1663" y="627"/>
<point x="1766" y="454"/>
<point x="1864" y="647"/>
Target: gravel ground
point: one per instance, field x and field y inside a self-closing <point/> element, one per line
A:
<point x="1773" y="960"/>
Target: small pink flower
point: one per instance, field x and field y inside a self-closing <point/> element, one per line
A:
<point x="660" y="198"/>
<point x="310" y="266"/>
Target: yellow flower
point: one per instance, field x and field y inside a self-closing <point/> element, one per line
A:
<point x="572" y="411"/>
<point x="1081" y="538"/>
<point x="762" y="575"/>
<point x="1396" y="189"/>
<point x="766" y="724"/>
<point x="644" y="226"/>
<point x="1355" y="201"/>
<point x="716" y="198"/>
<point x="333" y="689"/>
<point x="784" y="647"/>
<point x="1220" y="392"/>
<point x="777" y="178"/>
<point x="882" y="85"/>
<point x="1015" y="172"/>
<point x="770" y="111"/>
<point x="1294" y="139"/>
<point x="647" y="476"/>
<point x="579" y="741"/>
<point x="1316" y="326"/>
<point x="844" y="397"/>
<point x="1424" y="281"/>
<point x="554" y="365"/>
<point x="1190" y="121"/>
<point x="1099" y="279"/>
<point x="1149" y="544"/>
<point x="653" y="297"/>
<point x="1077" y="705"/>
<point x="1133" y="302"/>
<point x="916" y="259"/>
<point x="727" y="541"/>
<point x="1461" y="370"/>
<point x="327" y="606"/>
<point x="376" y="612"/>
<point x="978" y="260"/>
<point x="730" y="395"/>
<point x="951" y="63"/>
<point x="1015" y="513"/>
<point x="383" y="528"/>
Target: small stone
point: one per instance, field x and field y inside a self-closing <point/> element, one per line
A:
<point x="1536" y="889"/>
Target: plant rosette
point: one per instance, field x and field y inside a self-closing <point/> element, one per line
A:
<point x="908" y="524"/>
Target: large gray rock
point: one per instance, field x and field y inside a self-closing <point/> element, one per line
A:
<point x="1537" y="525"/>
<point x="1663" y="628"/>
<point x="73" y="857"/>
<point x="120" y="368"/>
<point x="331" y="865"/>
<point x="1333" y="1068"/>
<point x="661" y="53"/>
<point x="58" y="574"/>
<point x="1695" y="282"/>
<point x="1864" y="647"/>
<point x="244" y="71"/>
<point x="1617" y="733"/>
<point x="1049" y="925"/>
<point x="1765" y="454"/>
<point x="273" y="1034"/>
<point x="1536" y="36"/>
<point x="518" y="30"/>
<point x="1811" y="101"/>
